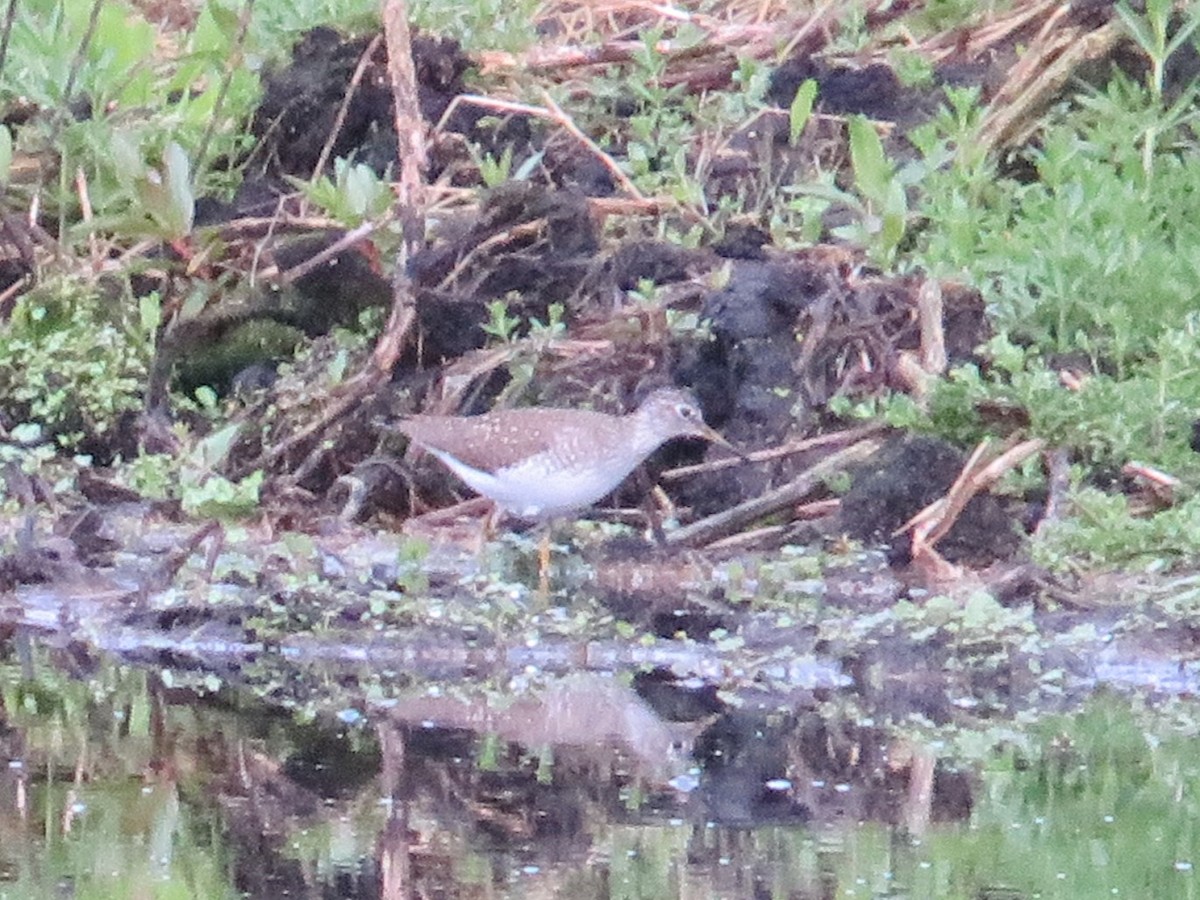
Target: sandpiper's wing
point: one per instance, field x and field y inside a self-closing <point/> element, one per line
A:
<point x="504" y="438"/>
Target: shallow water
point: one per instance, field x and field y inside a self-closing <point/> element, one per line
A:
<point x="116" y="784"/>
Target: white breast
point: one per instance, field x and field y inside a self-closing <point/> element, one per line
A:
<point x="534" y="490"/>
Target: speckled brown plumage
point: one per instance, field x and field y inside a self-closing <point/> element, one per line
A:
<point x="542" y="462"/>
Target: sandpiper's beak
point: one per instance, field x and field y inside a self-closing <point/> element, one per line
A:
<point x="711" y="434"/>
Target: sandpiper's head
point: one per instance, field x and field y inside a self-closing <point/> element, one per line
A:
<point x="670" y="412"/>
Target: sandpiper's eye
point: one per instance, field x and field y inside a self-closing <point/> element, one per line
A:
<point x="686" y="411"/>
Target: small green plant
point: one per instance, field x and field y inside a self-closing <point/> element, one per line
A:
<point x="660" y="130"/>
<point x="203" y="491"/>
<point x="552" y="329"/>
<point x="178" y="110"/>
<point x="1150" y="30"/>
<point x="1102" y="531"/>
<point x="912" y="69"/>
<point x="885" y="204"/>
<point x="879" y="198"/>
<point x="1105" y="422"/>
<point x="944" y="15"/>
<point x="57" y="55"/>
<point x="72" y="363"/>
<point x="479" y="25"/>
<point x="160" y="198"/>
<point x="411" y="571"/>
<point x="153" y="475"/>
<point x="353" y="195"/>
<point x="753" y="78"/>
<point x="194" y="479"/>
<point x="648" y="296"/>
<point x="852" y="35"/>
<point x="506" y="327"/>
<point x="494" y="172"/>
<point x="501" y="324"/>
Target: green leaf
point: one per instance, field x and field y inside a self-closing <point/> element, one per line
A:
<point x="211" y="451"/>
<point x="525" y="171"/>
<point x="872" y="171"/>
<point x="1184" y="32"/>
<point x="338" y="367"/>
<point x="6" y="153"/>
<point x="181" y="201"/>
<point x="126" y="158"/>
<point x="216" y="497"/>
<point x="801" y="110"/>
<point x="217" y="27"/>
<point x="1138" y="27"/>
<point x="149" y="313"/>
<point x="206" y="397"/>
<point x="828" y="192"/>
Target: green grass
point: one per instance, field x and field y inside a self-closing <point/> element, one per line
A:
<point x="1097" y="261"/>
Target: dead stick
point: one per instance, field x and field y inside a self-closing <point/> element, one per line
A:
<point x="410" y="134"/>
<point x="722" y="524"/>
<point x="848" y="436"/>
<point x="347" y="240"/>
<point x="575" y="131"/>
<point x="410" y="199"/>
